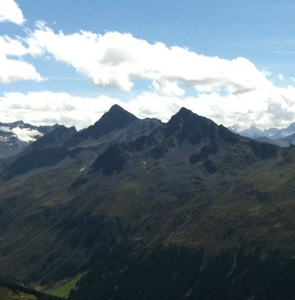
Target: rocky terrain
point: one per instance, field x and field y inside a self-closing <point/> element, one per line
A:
<point x="148" y="210"/>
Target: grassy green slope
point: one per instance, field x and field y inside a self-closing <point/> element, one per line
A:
<point x="258" y="211"/>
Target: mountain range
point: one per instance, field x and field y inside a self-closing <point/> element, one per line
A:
<point x="283" y="137"/>
<point x="141" y="209"/>
<point x="15" y="137"/>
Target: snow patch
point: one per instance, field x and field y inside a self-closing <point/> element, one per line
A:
<point x="17" y="129"/>
<point x="25" y="134"/>
<point x="3" y="138"/>
<point x="5" y="129"/>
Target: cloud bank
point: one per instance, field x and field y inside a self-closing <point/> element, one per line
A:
<point x="227" y="91"/>
<point x="115" y="59"/>
<point x="276" y="108"/>
<point x="49" y="108"/>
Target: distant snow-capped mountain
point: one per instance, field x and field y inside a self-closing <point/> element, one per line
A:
<point x="252" y="132"/>
<point x="16" y="136"/>
<point x="281" y="137"/>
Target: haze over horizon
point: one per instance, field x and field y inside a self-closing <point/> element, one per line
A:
<point x="68" y="63"/>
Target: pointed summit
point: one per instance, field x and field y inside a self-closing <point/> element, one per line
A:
<point x="117" y="108"/>
<point x="184" y="112"/>
<point x="116" y="118"/>
<point x="186" y="123"/>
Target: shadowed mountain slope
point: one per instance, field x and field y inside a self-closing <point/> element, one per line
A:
<point x="140" y="183"/>
<point x="16" y="136"/>
<point x="173" y="175"/>
<point x="56" y="146"/>
<point x="116" y="118"/>
<point x="53" y="139"/>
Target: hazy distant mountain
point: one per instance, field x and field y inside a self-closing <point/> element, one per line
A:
<point x="276" y="136"/>
<point x="14" y="137"/>
<point x="252" y="132"/>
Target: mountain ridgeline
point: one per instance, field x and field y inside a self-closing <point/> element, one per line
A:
<point x="148" y="210"/>
<point x="16" y="136"/>
<point x="283" y="137"/>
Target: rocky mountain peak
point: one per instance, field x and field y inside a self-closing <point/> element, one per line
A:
<point x="187" y="124"/>
<point x="115" y="118"/>
<point x="19" y="124"/>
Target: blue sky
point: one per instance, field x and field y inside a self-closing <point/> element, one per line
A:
<point x="69" y="61"/>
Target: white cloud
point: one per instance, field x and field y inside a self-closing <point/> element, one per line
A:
<point x="12" y="47"/>
<point x="16" y="70"/>
<point x="227" y="91"/>
<point x="281" y="77"/>
<point x="50" y="108"/>
<point x="12" y="69"/>
<point x="265" y="109"/>
<point x="10" y="12"/>
<point x="152" y="105"/>
<point x="115" y="59"/>
<point x="167" y="88"/>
